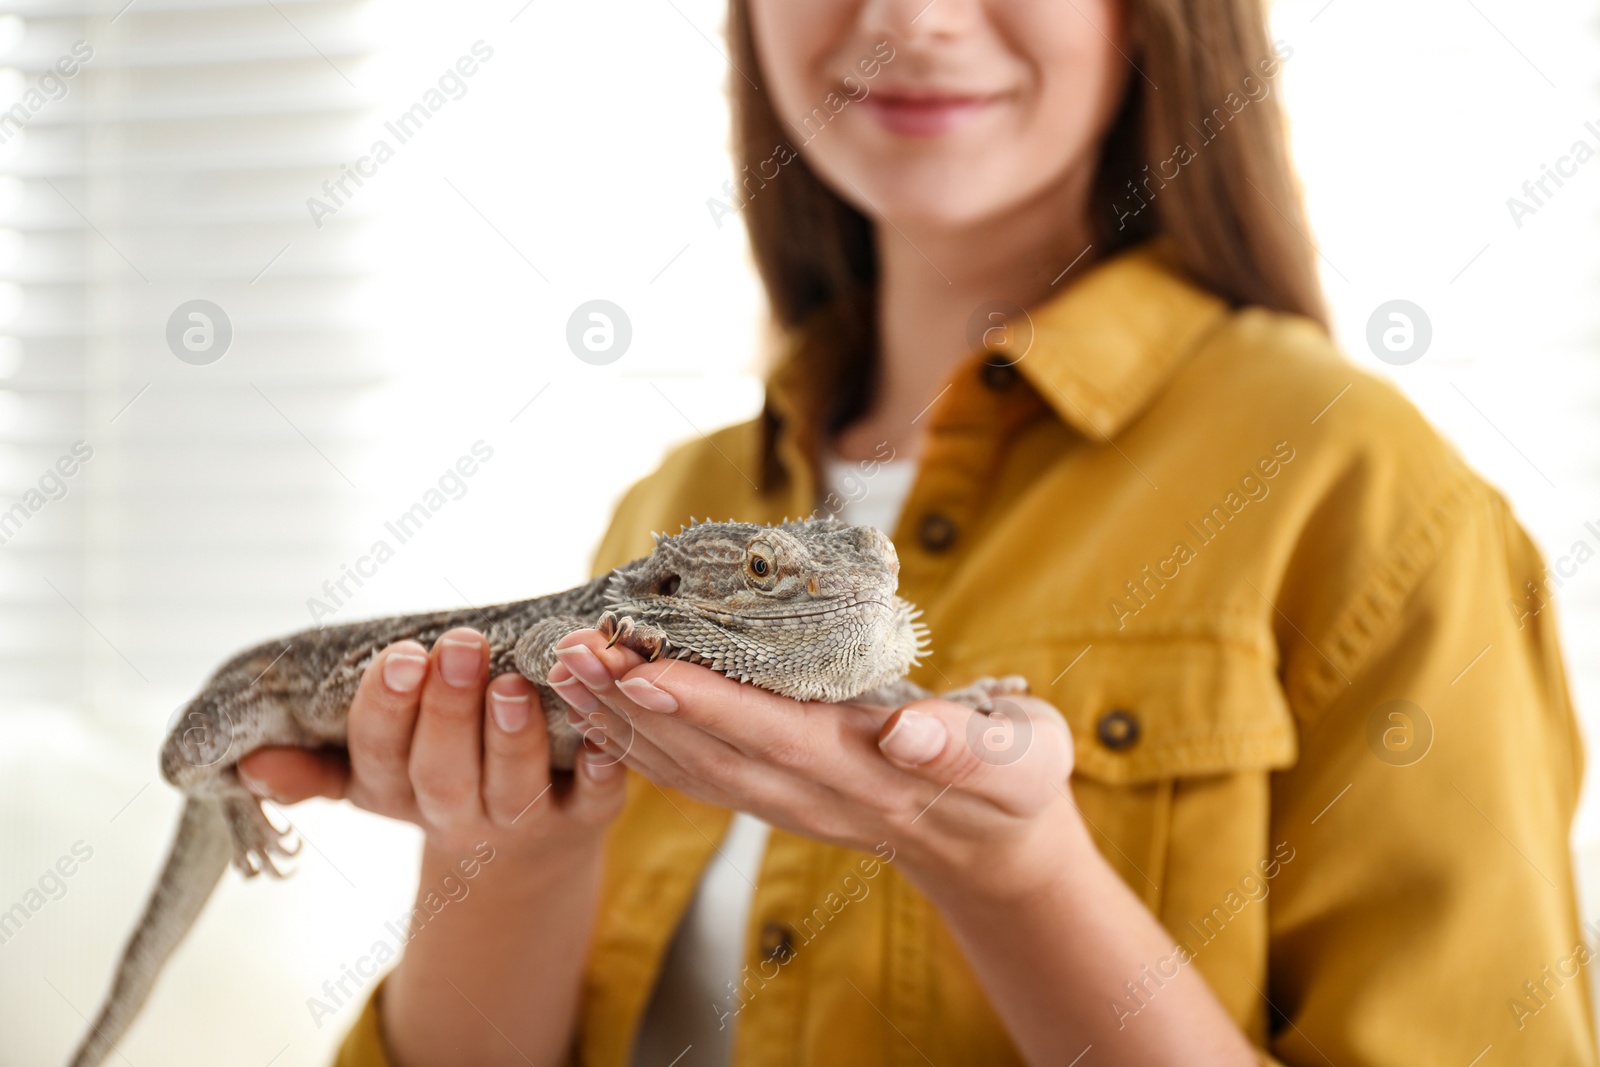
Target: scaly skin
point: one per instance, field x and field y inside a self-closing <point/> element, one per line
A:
<point x="807" y="609"/>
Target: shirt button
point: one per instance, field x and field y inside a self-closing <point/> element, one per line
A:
<point x="1118" y="729"/>
<point x="936" y="531"/>
<point x="776" y="942"/>
<point x="999" y="373"/>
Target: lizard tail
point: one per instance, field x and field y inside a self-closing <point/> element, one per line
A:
<point x="200" y="854"/>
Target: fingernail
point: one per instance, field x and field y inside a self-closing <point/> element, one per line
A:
<point x="510" y="712"/>
<point x="601" y="767"/>
<point x="403" y="671"/>
<point x="648" y="696"/>
<point x="915" y="739"/>
<point x="585" y="664"/>
<point x="459" y="661"/>
<point x="576" y="694"/>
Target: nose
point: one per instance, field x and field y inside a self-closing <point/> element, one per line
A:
<point x="909" y="21"/>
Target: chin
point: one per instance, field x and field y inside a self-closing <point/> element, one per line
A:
<point x="941" y="190"/>
<point x="947" y="201"/>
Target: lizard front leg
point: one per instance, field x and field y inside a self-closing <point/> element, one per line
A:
<point x="647" y="640"/>
<point x="535" y="654"/>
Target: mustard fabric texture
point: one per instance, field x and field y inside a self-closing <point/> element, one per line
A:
<point x="1322" y="724"/>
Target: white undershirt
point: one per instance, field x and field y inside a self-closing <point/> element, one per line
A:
<point x="692" y="1007"/>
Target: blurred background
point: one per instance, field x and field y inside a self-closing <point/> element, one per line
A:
<point x="358" y="340"/>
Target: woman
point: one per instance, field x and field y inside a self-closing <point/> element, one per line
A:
<point x="1322" y="759"/>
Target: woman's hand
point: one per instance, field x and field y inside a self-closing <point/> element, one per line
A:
<point x="495" y="977"/>
<point x="434" y="742"/>
<point x="977" y="809"/>
<point x="972" y="803"/>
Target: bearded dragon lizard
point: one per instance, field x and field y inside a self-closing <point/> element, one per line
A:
<point x="807" y="609"/>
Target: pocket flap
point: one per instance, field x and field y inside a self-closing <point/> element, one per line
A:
<point x="1146" y="710"/>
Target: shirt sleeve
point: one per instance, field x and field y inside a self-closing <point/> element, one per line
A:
<point x="1432" y="914"/>
<point x="363" y="1045"/>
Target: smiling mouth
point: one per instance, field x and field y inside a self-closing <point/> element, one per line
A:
<point x="924" y="114"/>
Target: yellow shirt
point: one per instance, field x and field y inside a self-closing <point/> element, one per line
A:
<point x="1322" y="726"/>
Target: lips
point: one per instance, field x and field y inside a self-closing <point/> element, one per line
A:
<point x="928" y="114"/>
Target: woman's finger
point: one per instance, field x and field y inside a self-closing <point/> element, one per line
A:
<point x="755" y="721"/>
<point x="447" y="746"/>
<point x="716" y="739"/>
<point x="676" y="754"/>
<point x="516" y="750"/>
<point x="1017" y="756"/>
<point x="599" y="787"/>
<point x="382" y="716"/>
<point x="610" y="736"/>
<point x="290" y="775"/>
<point x="830" y="744"/>
<point x="587" y="660"/>
<point x="584" y="675"/>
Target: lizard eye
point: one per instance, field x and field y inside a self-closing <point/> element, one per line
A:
<point x="762" y="564"/>
<point x="668" y="586"/>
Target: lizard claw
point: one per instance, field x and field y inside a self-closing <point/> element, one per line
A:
<point x="643" y="638"/>
<point x="647" y="642"/>
<point x="614" y="629"/>
<point x="257" y="843"/>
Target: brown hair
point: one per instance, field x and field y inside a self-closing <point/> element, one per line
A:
<point x="1234" y="214"/>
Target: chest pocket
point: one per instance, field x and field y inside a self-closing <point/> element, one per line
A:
<point x="1153" y="722"/>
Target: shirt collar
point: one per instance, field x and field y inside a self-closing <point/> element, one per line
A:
<point x="1106" y="347"/>
<point x="1101" y="351"/>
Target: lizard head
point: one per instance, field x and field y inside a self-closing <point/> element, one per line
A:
<point x="807" y="609"/>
